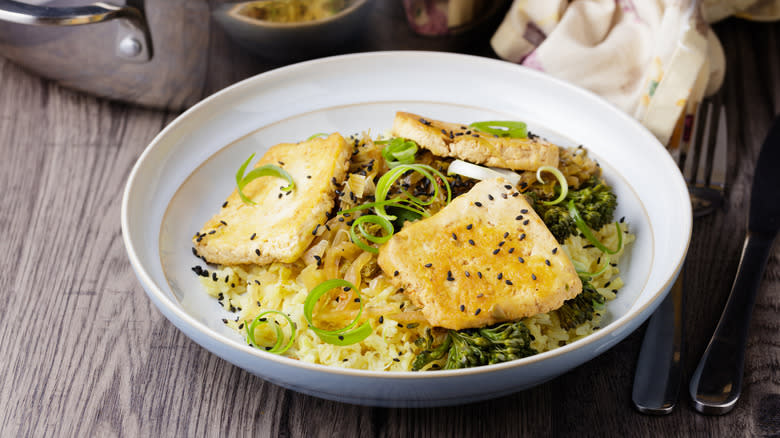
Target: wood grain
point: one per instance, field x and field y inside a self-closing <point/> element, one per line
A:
<point x="83" y="352"/>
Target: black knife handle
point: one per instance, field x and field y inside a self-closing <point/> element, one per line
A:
<point x="717" y="382"/>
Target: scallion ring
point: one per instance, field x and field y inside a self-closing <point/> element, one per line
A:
<point x="388" y="179"/>
<point x="374" y="219"/>
<point x="561" y="180"/>
<point x="399" y="151"/>
<point x="265" y="170"/>
<point x="319" y="134"/>
<point x="510" y="129"/>
<point x="344" y="336"/>
<point x="585" y="230"/>
<point x="277" y="348"/>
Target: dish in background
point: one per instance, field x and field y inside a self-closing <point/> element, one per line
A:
<point x="268" y="29"/>
<point x="182" y="175"/>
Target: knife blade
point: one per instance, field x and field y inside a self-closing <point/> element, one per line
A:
<point x="717" y="382"/>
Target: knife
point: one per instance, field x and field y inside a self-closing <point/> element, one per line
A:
<point x="717" y="382"/>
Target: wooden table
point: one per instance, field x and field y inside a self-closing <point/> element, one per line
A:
<point x="83" y="352"/>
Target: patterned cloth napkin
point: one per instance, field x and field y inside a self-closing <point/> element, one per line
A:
<point x="654" y="59"/>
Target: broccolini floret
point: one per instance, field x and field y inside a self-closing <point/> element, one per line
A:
<point x="594" y="200"/>
<point x="581" y="308"/>
<point x="481" y="346"/>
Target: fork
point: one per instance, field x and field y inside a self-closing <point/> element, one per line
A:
<point x="703" y="164"/>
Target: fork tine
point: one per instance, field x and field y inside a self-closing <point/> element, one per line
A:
<point x="708" y="152"/>
<point x="720" y="154"/>
<point x="689" y="160"/>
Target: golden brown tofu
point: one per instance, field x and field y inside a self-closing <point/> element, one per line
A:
<point x="485" y="258"/>
<point x="280" y="225"/>
<point x="454" y="140"/>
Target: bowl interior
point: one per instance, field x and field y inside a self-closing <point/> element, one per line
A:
<point x="187" y="171"/>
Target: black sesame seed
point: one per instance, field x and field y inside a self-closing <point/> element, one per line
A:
<point x="500" y="275"/>
<point x="257" y="251"/>
<point x="232" y="285"/>
<point x="395" y="359"/>
<point x="357" y="300"/>
<point x="252" y="237"/>
<point x="525" y="222"/>
<point x="428" y="265"/>
<point x="501" y="243"/>
<point x="480" y="295"/>
<point x="607" y="284"/>
<point x="495" y="251"/>
<point x="469" y="226"/>
<point x="477" y="311"/>
<point x="515" y="194"/>
<point x="507" y="186"/>
<point x="257" y="282"/>
<point x="462" y="308"/>
<point x="223" y="223"/>
<point x="224" y="320"/>
<point x="521" y="260"/>
<point x="504" y="195"/>
<point x="519" y="218"/>
<point x="533" y="276"/>
<point x="240" y="326"/>
<point x="225" y="204"/>
<point x="471" y="242"/>
<point x="622" y="219"/>
<point x="478" y="204"/>
<point x="395" y="273"/>
<point x="341" y="338"/>
<point x="524" y="211"/>
<point x="490" y="197"/>
<point x="508" y="282"/>
<point x="400" y="325"/>
<point x="467" y="274"/>
<point x="213" y="276"/>
<point x="479" y="274"/>
<point x="381" y="319"/>
<point x="212" y="231"/>
<point x="308" y="176"/>
<point x="522" y="236"/>
<point x="454" y="237"/>
<point x="506" y="234"/>
<point x="547" y="262"/>
<point x="511" y="250"/>
<point x="555" y="250"/>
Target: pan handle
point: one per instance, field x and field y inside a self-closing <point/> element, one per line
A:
<point x="134" y="42"/>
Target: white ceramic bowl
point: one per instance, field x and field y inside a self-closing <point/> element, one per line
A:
<point x="188" y="169"/>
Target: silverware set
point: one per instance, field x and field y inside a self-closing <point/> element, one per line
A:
<point x="716" y="384"/>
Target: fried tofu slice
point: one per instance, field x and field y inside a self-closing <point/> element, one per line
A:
<point x="454" y="140"/>
<point x="280" y="225"/>
<point x="485" y="258"/>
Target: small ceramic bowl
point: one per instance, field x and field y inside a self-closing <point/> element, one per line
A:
<point x="293" y="40"/>
<point x="188" y="169"/>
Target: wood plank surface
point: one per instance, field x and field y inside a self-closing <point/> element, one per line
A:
<point x="83" y="352"/>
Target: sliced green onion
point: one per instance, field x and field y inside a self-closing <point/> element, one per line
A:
<point x="386" y="182"/>
<point x="265" y="170"/>
<point x="374" y="219"/>
<point x="395" y="202"/>
<point x="561" y="180"/>
<point x="344" y="336"/>
<point x="583" y="273"/>
<point x="585" y="230"/>
<point x="277" y="348"/>
<point x="399" y="151"/>
<point x="319" y="134"/>
<point x="502" y="128"/>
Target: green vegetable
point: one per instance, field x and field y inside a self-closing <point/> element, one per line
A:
<point x="399" y="151"/>
<point x="502" y="128"/>
<point x="581" y="308"/>
<point x="595" y="203"/>
<point x="482" y="346"/>
<point x="583" y="227"/>
<point x="374" y="219"/>
<point x="344" y="336"/>
<point x="561" y="180"/>
<point x="261" y="319"/>
<point x="266" y="170"/>
<point x="388" y="179"/>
